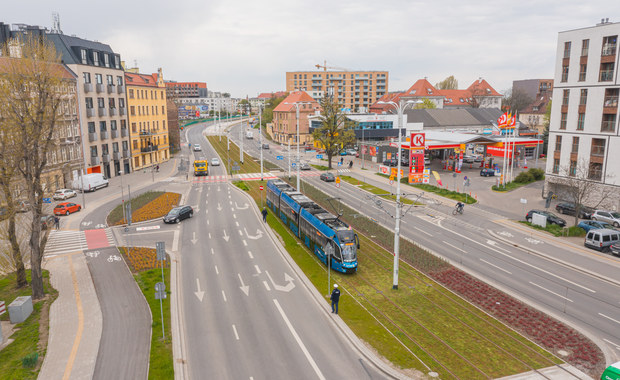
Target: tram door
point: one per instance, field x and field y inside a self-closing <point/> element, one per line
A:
<point x="332" y="250"/>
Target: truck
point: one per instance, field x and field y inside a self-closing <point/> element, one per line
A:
<point x="90" y="182"/>
<point x="201" y="167"/>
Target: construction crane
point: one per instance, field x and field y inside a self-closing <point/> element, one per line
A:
<point x="325" y="67"/>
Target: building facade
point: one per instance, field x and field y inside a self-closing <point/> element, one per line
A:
<point x="584" y="114"/>
<point x="354" y="90"/>
<point x="285" y="118"/>
<point x="148" y="115"/>
<point x="186" y="89"/>
<point x="533" y="88"/>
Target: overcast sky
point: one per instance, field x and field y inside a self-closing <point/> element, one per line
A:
<point x="246" y="47"/>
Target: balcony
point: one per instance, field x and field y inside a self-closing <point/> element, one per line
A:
<point x="104" y="135"/>
<point x="105" y="158"/>
<point x="597" y="151"/>
<point x="151" y="148"/>
<point x="99" y="88"/>
<point x="610" y="101"/>
<point x="102" y="112"/>
<point x="608" y="126"/>
<point x="92" y="136"/>
<point x="116" y="156"/>
<point x="111" y="89"/>
<point x="114" y="133"/>
<point x="146" y="133"/>
<point x="606" y="76"/>
<point x="113" y="112"/>
<point x="126" y="153"/>
<point x="88" y="87"/>
<point x="90" y="112"/>
<point x="94" y="161"/>
<point x="120" y="89"/>
<point x="123" y="132"/>
<point x="123" y="111"/>
<point x="608" y="49"/>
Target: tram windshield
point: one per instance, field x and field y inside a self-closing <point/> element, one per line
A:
<point x="347" y="245"/>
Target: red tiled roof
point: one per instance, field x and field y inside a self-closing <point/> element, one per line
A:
<point x="296" y="96"/>
<point x="422" y="87"/>
<point x="455" y="97"/>
<point x="482" y="87"/>
<point x="269" y="95"/>
<point x="143" y="80"/>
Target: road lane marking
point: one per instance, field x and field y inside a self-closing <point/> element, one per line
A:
<point x="424" y="232"/>
<point x="495" y="266"/>
<point x="266" y="285"/>
<point x="257" y="269"/>
<point x="299" y="342"/>
<point x="245" y="243"/>
<point x="237" y="223"/>
<point x="235" y="330"/>
<point x="224" y="295"/>
<point x="212" y="251"/>
<point x="216" y="270"/>
<point x="612" y="343"/>
<point x="207" y="222"/>
<point x="552" y="292"/>
<point x="209" y="235"/>
<point x="235" y="216"/>
<point x="250" y="254"/>
<point x="610" y="318"/>
<point x="240" y="233"/>
<point x="446" y="243"/>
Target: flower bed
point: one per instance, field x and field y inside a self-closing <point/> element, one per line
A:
<point x="141" y="258"/>
<point x="537" y="326"/>
<point x="157" y="208"/>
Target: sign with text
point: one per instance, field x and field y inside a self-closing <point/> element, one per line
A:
<point x="417" y="140"/>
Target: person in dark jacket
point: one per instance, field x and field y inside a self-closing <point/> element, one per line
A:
<point x="335" y="298"/>
<point x="264" y="213"/>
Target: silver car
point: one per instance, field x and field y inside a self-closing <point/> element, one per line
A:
<point x="215" y="161"/>
<point x="611" y="217"/>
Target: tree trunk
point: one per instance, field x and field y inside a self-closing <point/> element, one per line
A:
<point x="329" y="161"/>
<point x="36" y="257"/>
<point x="20" y="271"/>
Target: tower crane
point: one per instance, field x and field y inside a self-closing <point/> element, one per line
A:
<point x="325" y="67"/>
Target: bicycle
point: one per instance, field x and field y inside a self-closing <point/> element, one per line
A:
<point x="458" y="209"/>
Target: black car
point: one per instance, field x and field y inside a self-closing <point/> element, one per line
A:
<point x="265" y="146"/>
<point x="394" y="162"/>
<point x="327" y="177"/>
<point x="487" y="172"/>
<point x="569" y="209"/>
<point x="551" y="217"/>
<point x="179" y="213"/>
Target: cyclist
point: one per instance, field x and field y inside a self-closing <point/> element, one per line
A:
<point x="459" y="207"/>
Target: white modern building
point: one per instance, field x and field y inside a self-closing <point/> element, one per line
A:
<point x="584" y="115"/>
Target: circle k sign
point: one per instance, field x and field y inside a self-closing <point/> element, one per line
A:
<point x="417" y="140"/>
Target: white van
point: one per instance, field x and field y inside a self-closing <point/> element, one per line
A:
<point x="92" y="182"/>
<point x="249" y="135"/>
<point x="601" y="239"/>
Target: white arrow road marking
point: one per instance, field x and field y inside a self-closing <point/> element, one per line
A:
<point x="286" y="288"/>
<point x="245" y="205"/>
<point x="299" y="342"/>
<point x="259" y="234"/>
<point x="194" y="240"/>
<point x="245" y="288"/>
<point x="199" y="293"/>
<point x="219" y="208"/>
<point x="226" y="237"/>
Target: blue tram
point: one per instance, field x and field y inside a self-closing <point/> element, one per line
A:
<point x="324" y="233"/>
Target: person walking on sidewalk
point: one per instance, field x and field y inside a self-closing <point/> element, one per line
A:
<point x="57" y="222"/>
<point x="264" y="213"/>
<point x="335" y="298"/>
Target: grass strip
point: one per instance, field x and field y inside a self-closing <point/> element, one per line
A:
<point x="230" y="157"/>
<point x="374" y="189"/>
<point x="30" y="336"/>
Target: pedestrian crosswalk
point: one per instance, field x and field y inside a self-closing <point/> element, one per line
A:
<point x="64" y="241"/>
<point x="257" y="177"/>
<point x="210" y="179"/>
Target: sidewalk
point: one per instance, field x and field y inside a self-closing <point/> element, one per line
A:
<point x="75" y="317"/>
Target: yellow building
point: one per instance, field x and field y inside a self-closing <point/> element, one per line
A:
<point x="146" y="101"/>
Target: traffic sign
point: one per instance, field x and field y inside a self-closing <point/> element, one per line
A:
<point x="279" y="157"/>
<point x="236" y="167"/>
<point x="261" y="188"/>
<point x="160" y="250"/>
<point x="47" y="200"/>
<point x="319" y="156"/>
<point x="293" y="164"/>
<point x="391" y="178"/>
<point x="337" y="179"/>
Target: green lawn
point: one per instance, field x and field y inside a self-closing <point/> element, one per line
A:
<point x="249" y="165"/>
<point x="26" y="337"/>
<point x="374" y="189"/>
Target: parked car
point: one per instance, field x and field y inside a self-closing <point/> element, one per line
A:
<point x="479" y="149"/>
<point x="615" y="248"/>
<point x="487" y="172"/>
<point x="66" y="208"/>
<point x="390" y="162"/>
<point x="304" y="166"/>
<point x="478" y="158"/>
<point x="352" y="152"/>
<point x="601" y="239"/>
<point x="569" y="209"/>
<point x="588" y="225"/>
<point x="427" y="161"/>
<point x="327" y="177"/>
<point x="90" y="182"/>
<point x="468" y="159"/>
<point x="47" y="221"/>
<point x="197" y="148"/>
<point x="265" y="146"/>
<point x="551" y="217"/>
<point x="179" y="213"/>
<point x="62" y="194"/>
<point x="610" y="217"/>
<point x="215" y="161"/>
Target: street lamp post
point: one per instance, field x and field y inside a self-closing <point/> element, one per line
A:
<point x="400" y="107"/>
<point x="297" y="104"/>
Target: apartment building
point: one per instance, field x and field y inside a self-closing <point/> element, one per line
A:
<point x="261" y="100"/>
<point x="186" y="89"/>
<point x="533" y="88"/>
<point x="148" y="114"/>
<point x="285" y="118"/>
<point x="584" y="114"/>
<point x="354" y="90"/>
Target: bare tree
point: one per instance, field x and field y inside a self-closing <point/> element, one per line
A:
<point x="336" y="131"/>
<point x="32" y="87"/>
<point x="450" y="83"/>
<point x="516" y="100"/>
<point x="575" y="186"/>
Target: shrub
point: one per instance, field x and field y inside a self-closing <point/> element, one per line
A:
<point x="538" y="174"/>
<point x="524" y="177"/>
<point x="575" y="231"/>
<point x="242" y="185"/>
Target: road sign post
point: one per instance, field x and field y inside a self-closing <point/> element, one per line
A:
<point x="261" y="196"/>
<point x="160" y="293"/>
<point x="160" y="251"/>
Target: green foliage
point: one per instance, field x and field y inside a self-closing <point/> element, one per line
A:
<point x="336" y="130"/>
<point x="557" y="231"/>
<point x="267" y="116"/>
<point x="524" y="177"/>
<point x="450" y="83"/>
<point x="242" y="185"/>
<point x="426" y="104"/>
<point x="575" y="231"/>
<point x="546" y="123"/>
<point x="538" y="174"/>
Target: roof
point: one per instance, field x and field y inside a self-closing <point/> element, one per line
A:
<point x="422" y="87"/>
<point x="143" y="80"/>
<point x="481" y="87"/>
<point x="446" y="117"/>
<point x="540" y="104"/>
<point x="296" y="96"/>
<point x="64" y="45"/>
<point x="269" y="95"/>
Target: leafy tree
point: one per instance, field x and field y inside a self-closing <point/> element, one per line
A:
<point x="32" y="93"/>
<point x="225" y="95"/>
<point x="450" y="83"/>
<point x="516" y="100"/>
<point x="270" y="105"/>
<point x="336" y="130"/>
<point x="426" y="104"/>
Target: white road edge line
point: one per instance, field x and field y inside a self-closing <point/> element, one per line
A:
<point x="224" y="295"/>
<point x="424" y="232"/>
<point x="495" y="266"/>
<point x="235" y="331"/>
<point x="610" y="318"/>
<point x="554" y="293"/>
<point x="446" y="243"/>
<point x="299" y="342"/>
<point x="612" y="343"/>
<point x="175" y="241"/>
<point x="250" y="254"/>
<point x="266" y="285"/>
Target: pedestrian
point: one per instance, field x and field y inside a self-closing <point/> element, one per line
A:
<point x="264" y="212"/>
<point x="350" y="164"/>
<point x="157" y="168"/>
<point x="57" y="222"/>
<point x="341" y="160"/>
<point x="335" y="298"/>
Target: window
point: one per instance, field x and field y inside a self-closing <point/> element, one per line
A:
<point x="572" y="170"/>
<point x="563" y="121"/>
<point x="99" y="78"/>
<point x="558" y="143"/>
<point x="582" y="71"/>
<point x="132" y="111"/>
<point x="123" y="124"/>
<point x="581" y="121"/>
<point x="89" y="103"/>
<point x="91" y="127"/>
<point x="102" y="126"/>
<point x="565" y="97"/>
<point x="101" y="102"/>
<point x="583" y="98"/>
<point x="131" y="94"/>
<point x="113" y="126"/>
<point x="86" y="77"/>
<point x="121" y="102"/>
<point x="609" y="45"/>
<point x="133" y="128"/>
<point x="115" y="147"/>
<point x="111" y="103"/>
<point x="96" y="58"/>
<point x="596" y="171"/>
<point x="84" y="56"/>
<point x="567" y="49"/>
<point x="575" y="146"/>
<point x="607" y="72"/>
<point x="611" y="97"/>
<point x="598" y="147"/>
<point x="609" y="122"/>
<point x="584" y="47"/>
<point x="109" y="79"/>
<point x="556" y="165"/>
<point x="106" y="60"/>
<point x="93" y="151"/>
<point x="564" y="73"/>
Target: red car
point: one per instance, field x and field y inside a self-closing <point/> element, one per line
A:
<point x="66" y="208"/>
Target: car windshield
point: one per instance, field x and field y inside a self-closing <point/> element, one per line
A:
<point x="615" y="215"/>
<point x="174" y="211"/>
<point x="199" y="164"/>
